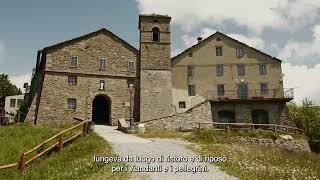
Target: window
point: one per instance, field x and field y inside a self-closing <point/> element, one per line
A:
<point x="239" y="52"/>
<point x="191" y="90"/>
<point x="190" y="71"/>
<point x="219" y="70"/>
<point x="220" y="90"/>
<point x="102" y="85"/>
<point x="72" y="103"/>
<point x="264" y="88"/>
<point x="155" y="34"/>
<point x="182" y="104"/>
<point x="262" y="69"/>
<point x="73" y="61"/>
<point x="72" y="80"/>
<point x="241" y="70"/>
<point x="12" y="103"/>
<point x="190" y="54"/>
<point x="131" y="67"/>
<point x="103" y="64"/>
<point x="19" y="102"/>
<point x="218" y="51"/>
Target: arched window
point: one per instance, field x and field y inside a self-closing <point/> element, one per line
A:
<point x="155" y="34"/>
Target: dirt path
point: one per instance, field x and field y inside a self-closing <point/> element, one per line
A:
<point x="126" y="144"/>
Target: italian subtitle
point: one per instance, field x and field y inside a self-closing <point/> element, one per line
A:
<point x="167" y="164"/>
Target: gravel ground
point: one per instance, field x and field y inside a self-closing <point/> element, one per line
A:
<point x="129" y="145"/>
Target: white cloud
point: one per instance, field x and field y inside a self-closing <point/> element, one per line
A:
<point x="298" y="52"/>
<point x="176" y="52"/>
<point x="19" y="80"/>
<point x="306" y="81"/>
<point x="253" y="14"/>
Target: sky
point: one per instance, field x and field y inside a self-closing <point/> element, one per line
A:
<point x="286" y="29"/>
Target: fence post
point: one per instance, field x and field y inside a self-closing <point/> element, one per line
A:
<point x="252" y="127"/>
<point x="61" y="142"/>
<point x="228" y="127"/>
<point x="275" y="128"/>
<point x="22" y="163"/>
<point x="85" y="127"/>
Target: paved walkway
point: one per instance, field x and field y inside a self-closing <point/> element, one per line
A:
<point x="126" y="144"/>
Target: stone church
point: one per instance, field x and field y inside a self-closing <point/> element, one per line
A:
<point x="101" y="77"/>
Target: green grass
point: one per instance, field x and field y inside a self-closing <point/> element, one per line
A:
<point x="75" y="161"/>
<point x="248" y="161"/>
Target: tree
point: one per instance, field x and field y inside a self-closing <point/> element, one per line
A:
<point x="7" y="88"/>
<point x="307" y="117"/>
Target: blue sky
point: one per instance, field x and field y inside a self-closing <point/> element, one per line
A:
<point x="287" y="29"/>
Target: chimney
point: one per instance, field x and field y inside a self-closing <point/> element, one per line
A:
<point x="199" y="39"/>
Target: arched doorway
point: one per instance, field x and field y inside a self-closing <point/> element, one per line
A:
<point x="101" y="110"/>
<point x="260" y="116"/>
<point x="226" y="116"/>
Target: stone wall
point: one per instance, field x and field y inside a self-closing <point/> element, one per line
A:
<point x="243" y="110"/>
<point x="89" y="50"/>
<point x="184" y="121"/>
<point x="56" y="91"/>
<point x="294" y="145"/>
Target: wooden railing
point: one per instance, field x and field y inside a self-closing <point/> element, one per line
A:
<point x="24" y="161"/>
<point x="250" y="126"/>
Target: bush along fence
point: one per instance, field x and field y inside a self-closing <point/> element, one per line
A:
<point x="58" y="141"/>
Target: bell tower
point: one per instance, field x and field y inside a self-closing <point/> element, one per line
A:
<point x="155" y="67"/>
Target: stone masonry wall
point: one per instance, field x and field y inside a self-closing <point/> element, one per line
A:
<point x="187" y="120"/>
<point x="56" y="90"/>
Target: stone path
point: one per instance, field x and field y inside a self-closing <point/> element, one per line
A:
<point x="126" y="144"/>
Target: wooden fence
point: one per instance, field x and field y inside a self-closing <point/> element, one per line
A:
<point x="250" y="126"/>
<point x="60" y="141"/>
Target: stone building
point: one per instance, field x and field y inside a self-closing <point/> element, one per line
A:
<point x="100" y="77"/>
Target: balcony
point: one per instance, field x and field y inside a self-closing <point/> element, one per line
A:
<point x="251" y="94"/>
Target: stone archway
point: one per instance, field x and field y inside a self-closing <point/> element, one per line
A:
<point x="101" y="110"/>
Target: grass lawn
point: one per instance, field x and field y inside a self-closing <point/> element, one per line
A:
<point x="74" y="162"/>
<point x="249" y="161"/>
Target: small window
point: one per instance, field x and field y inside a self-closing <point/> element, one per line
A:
<point x="191" y="90"/>
<point x="155" y="34"/>
<point x="239" y="52"/>
<point x="13" y="103"/>
<point x="103" y="64"/>
<point x="262" y="69"/>
<point x="19" y="102"/>
<point x="73" y="61"/>
<point x="219" y="70"/>
<point x="72" y="80"/>
<point x="190" y="71"/>
<point x="131" y="67"/>
<point x="241" y="70"/>
<point x="182" y="104"/>
<point x="190" y="54"/>
<point x="102" y="85"/>
<point x="220" y="90"/>
<point x="264" y="88"/>
<point x="72" y="103"/>
<point x="218" y="51"/>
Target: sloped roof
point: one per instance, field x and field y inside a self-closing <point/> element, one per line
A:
<point x="230" y="38"/>
<point x="103" y="31"/>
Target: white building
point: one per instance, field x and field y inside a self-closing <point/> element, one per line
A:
<point x="13" y="103"/>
